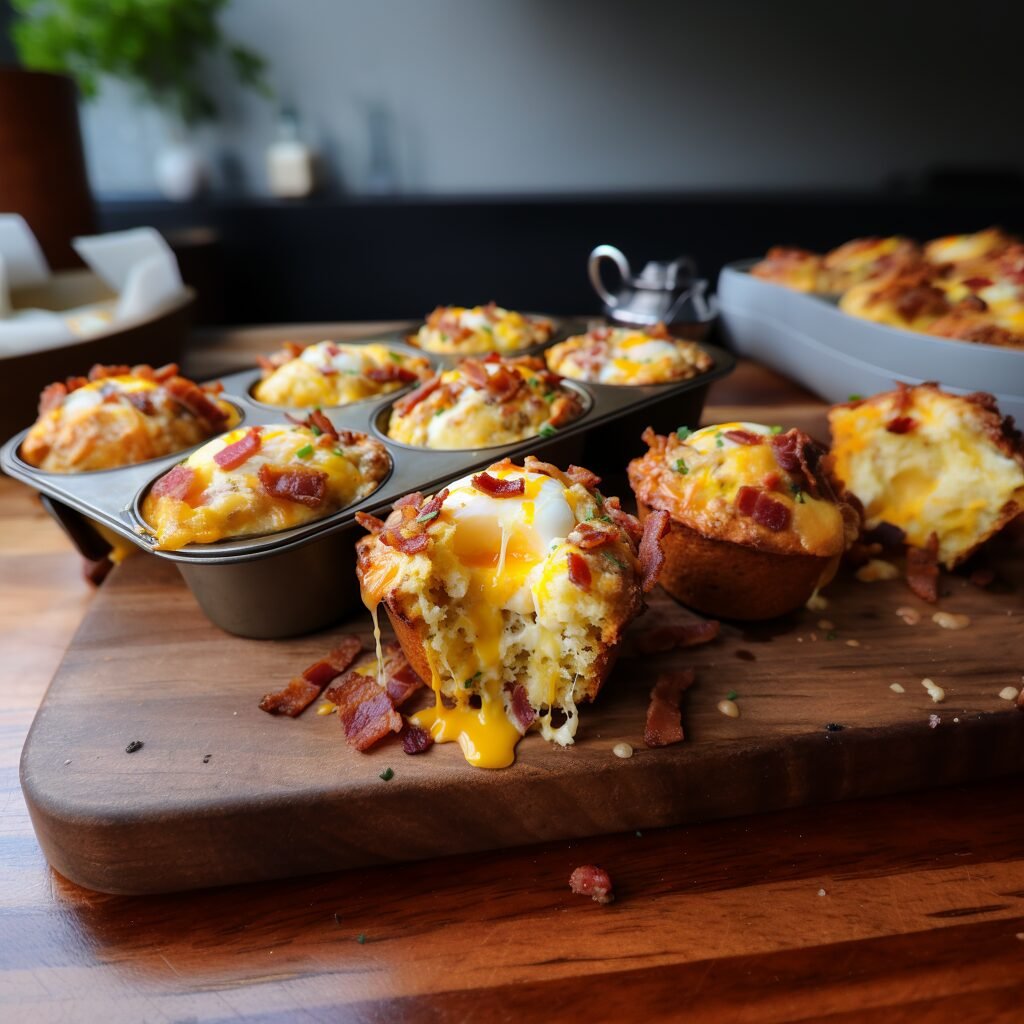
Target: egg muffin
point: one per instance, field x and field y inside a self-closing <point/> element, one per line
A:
<point x="791" y="267"/>
<point x="509" y="591"/>
<point x="479" y="404"/>
<point x="259" y="480"/>
<point x="331" y="373"/>
<point x="120" y="416"/>
<point x="757" y="522"/>
<point x="868" y="259"/>
<point x="930" y="463"/>
<point x="628" y="355"/>
<point x="456" y="330"/>
<point x="959" y="249"/>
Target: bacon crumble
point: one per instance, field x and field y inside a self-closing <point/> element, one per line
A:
<point x="234" y="455"/>
<point x="509" y="487"/>
<point x="590" y="880"/>
<point x="650" y="553"/>
<point x="664" y="719"/>
<point x="922" y="570"/>
<point x="579" y="571"/>
<point x="175" y="483"/>
<point x="299" y="484"/>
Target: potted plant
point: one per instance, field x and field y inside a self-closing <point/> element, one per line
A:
<point x="157" y="46"/>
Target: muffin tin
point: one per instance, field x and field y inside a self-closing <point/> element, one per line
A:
<point x="303" y="579"/>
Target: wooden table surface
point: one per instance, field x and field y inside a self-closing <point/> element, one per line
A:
<point x="899" y="909"/>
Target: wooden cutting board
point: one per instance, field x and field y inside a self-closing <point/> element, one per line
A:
<point x="221" y="792"/>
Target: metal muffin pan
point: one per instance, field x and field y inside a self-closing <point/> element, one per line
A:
<point x="808" y="338"/>
<point x="303" y="579"/>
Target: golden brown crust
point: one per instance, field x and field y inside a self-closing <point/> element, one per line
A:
<point x="735" y="581"/>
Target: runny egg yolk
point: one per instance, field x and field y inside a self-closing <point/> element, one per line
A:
<point x="499" y="547"/>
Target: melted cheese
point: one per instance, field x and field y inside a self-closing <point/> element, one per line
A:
<point x="627" y="356"/>
<point x="491" y="329"/>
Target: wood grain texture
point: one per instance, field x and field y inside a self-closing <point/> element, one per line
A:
<point x="220" y="789"/>
<point x="921" y="919"/>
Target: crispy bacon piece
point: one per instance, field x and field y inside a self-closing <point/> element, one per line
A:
<point x="74" y="383"/>
<point x="923" y="570"/>
<point x="590" y="535"/>
<point x="429" y="509"/>
<point x="579" y="571"/>
<point x="411" y="400"/>
<point x="303" y="486"/>
<point x="141" y="400"/>
<point x="416" y="740"/>
<point x="629" y="524"/>
<point x="99" y="371"/>
<point x="769" y="513"/>
<point x="369" y="522"/>
<point x="583" y="477"/>
<point x="390" y="373"/>
<point x="504" y="384"/>
<point x="364" y="710"/>
<point x="510" y="487"/>
<point x="650" y="554"/>
<point x="317" y="419"/>
<point x="234" y="455"/>
<point x="175" y="483"/>
<point x="475" y="372"/>
<point x="564" y="409"/>
<point x="590" y="880"/>
<point x="901" y="425"/>
<point x="52" y="396"/>
<point x="533" y="465"/>
<point x="414" y="500"/>
<point x="659" y="639"/>
<point x="744" y="437"/>
<point x="408" y="545"/>
<point x="402" y="682"/>
<point x="292" y="700"/>
<point x="338" y="660"/>
<point x="664" y="719"/>
<point x="522" y="710"/>
<point x="192" y="397"/>
<point x="797" y="453"/>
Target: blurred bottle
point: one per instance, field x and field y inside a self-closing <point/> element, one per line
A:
<point x="291" y="163"/>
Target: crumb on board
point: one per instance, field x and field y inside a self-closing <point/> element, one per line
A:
<point x="875" y="570"/>
<point x="911" y="616"/>
<point x="1009" y="693"/>
<point x="933" y="721"/>
<point x="729" y="708"/>
<point x="821" y="892"/>
<point x="327" y="708"/>
<point x="826" y="624"/>
<point x="133" y="746"/>
<point x="590" y="880"/>
<point x="622" y="750"/>
<point x="937" y="693"/>
<point x="853" y="643"/>
<point x="949" y="620"/>
<point x="816" y="603"/>
<point x="897" y="688"/>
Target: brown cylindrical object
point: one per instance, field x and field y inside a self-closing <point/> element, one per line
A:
<point x="42" y="165"/>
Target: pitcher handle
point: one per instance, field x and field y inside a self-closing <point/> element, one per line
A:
<point x="607" y="252"/>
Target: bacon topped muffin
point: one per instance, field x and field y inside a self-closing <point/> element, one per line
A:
<point x="948" y="470"/>
<point x="331" y="373"/>
<point x="868" y="259"/>
<point x="263" y="479"/>
<point x="757" y="523"/>
<point x="791" y="267"/>
<point x="120" y="416"/>
<point x="479" y="404"/>
<point x="509" y="591"/>
<point x="456" y="330"/>
<point x="628" y="355"/>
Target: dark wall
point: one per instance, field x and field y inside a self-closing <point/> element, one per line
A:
<point x="366" y="259"/>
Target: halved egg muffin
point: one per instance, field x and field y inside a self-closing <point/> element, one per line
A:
<point x="791" y="267"/>
<point x="331" y="373"/>
<point x="457" y="330"/>
<point x="868" y="259"/>
<point x="479" y="404"/>
<point x="628" y="355"/>
<point x="930" y="463"/>
<point x="757" y="524"/>
<point x="509" y="591"/>
<point x="120" y="416"/>
<point x="257" y="480"/>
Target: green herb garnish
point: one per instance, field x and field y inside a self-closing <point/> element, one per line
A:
<point x="798" y="494"/>
<point x="471" y="680"/>
<point x="854" y="397"/>
<point x="427" y="516"/>
<point x="683" y="433"/>
<point x="600" y="498"/>
<point x="731" y="695"/>
<point x="304" y="452"/>
<point x="775" y="430"/>
<point x="719" y="443"/>
<point x="547" y="430"/>
<point x="338" y="451"/>
<point x="387" y="775"/>
<point x="395" y="357"/>
<point x="611" y="558"/>
<point x="315" y="429"/>
<point x="550" y="396"/>
<point x="830" y="635"/>
<point x="681" y="467"/>
<point x="361" y="939"/>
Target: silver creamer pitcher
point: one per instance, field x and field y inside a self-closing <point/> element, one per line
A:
<point x="665" y="291"/>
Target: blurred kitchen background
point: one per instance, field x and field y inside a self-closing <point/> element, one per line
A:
<point x="458" y="151"/>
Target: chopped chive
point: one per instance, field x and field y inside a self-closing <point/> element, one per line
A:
<point x="547" y="430"/>
<point x="550" y="396"/>
<point x="304" y="452"/>
<point x="338" y="451"/>
<point x="316" y="430"/>
<point x="855" y="397"/>
<point x="471" y="680"/>
<point x="731" y="695"/>
<point x="600" y="498"/>
<point x="611" y="558"/>
<point x="798" y="494"/>
<point x="361" y="939"/>
<point x="387" y="775"/>
<point x="830" y="635"/>
<point x="682" y="467"/>
<point x="395" y="357"/>
<point x="719" y="443"/>
<point x="427" y="516"/>
<point x="683" y="433"/>
<point x="775" y="430"/>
